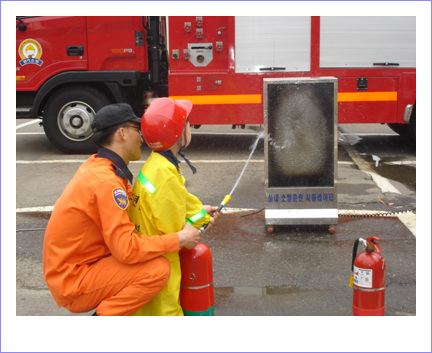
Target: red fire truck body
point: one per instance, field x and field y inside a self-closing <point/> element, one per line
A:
<point x="69" y="67"/>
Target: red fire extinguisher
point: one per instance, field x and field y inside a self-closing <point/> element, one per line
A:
<point x="197" y="291"/>
<point x="368" y="279"/>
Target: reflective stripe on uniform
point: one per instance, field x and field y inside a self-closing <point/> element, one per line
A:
<point x="197" y="216"/>
<point x="146" y="183"/>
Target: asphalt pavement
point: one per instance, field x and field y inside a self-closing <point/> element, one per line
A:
<point x="298" y="271"/>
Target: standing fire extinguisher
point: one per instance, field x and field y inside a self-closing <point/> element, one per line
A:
<point x="196" y="290"/>
<point x="368" y="279"/>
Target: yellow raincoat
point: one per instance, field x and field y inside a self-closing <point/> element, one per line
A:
<point x="160" y="204"/>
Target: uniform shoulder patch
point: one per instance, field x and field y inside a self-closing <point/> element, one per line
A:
<point x="120" y="198"/>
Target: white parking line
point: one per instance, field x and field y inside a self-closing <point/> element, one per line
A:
<point x="401" y="163"/>
<point x="35" y="209"/>
<point x="202" y="133"/>
<point x="381" y="182"/>
<point x="225" y="133"/>
<point x="59" y="161"/>
<point x="28" y="123"/>
<point x="409" y="220"/>
<point x="29" y="133"/>
<point x="368" y="134"/>
<point x="64" y="161"/>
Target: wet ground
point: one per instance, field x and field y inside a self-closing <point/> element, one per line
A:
<point x="304" y="270"/>
<point x="297" y="270"/>
<point x="300" y="270"/>
<point x="288" y="291"/>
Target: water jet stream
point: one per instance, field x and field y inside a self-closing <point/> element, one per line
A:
<point x="227" y="198"/>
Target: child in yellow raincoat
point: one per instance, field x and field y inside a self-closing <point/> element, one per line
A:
<point x="160" y="202"/>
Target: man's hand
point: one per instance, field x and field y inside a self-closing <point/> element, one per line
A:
<point x="189" y="236"/>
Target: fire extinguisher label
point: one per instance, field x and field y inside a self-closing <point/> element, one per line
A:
<point x="362" y="277"/>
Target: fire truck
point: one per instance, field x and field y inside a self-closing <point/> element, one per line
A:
<point x="67" y="68"/>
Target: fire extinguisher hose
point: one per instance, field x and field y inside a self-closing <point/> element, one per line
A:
<point x="354" y="255"/>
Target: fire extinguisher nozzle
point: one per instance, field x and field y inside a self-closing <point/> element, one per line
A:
<point x="225" y="200"/>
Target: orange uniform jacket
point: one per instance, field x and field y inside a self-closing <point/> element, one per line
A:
<point x="89" y="222"/>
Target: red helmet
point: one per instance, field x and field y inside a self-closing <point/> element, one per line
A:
<point x="164" y="121"/>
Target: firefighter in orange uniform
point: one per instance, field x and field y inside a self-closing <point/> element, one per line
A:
<point x="91" y="256"/>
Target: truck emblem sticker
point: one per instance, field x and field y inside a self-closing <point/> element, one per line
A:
<point x="30" y="51"/>
<point x="120" y="198"/>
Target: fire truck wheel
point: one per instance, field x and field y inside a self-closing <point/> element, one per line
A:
<point x="68" y="115"/>
<point x="401" y="129"/>
<point x="412" y="125"/>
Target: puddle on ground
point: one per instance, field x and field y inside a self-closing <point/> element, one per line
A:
<point x="400" y="173"/>
<point x="258" y="291"/>
<point x="404" y="174"/>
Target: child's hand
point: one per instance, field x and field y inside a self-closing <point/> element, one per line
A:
<point x="211" y="211"/>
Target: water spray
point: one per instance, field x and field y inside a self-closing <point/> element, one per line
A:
<point x="227" y="198"/>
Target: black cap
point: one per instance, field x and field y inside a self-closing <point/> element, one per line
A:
<point x="112" y="115"/>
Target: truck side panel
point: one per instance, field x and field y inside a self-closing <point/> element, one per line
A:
<point x="226" y="87"/>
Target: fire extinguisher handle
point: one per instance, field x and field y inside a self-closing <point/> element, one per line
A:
<point x="373" y="242"/>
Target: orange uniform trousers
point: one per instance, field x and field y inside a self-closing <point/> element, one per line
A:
<point x="117" y="289"/>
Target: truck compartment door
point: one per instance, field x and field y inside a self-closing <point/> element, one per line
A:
<point x="368" y="41"/>
<point x="272" y="43"/>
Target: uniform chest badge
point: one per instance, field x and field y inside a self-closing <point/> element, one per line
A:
<point x="120" y="198"/>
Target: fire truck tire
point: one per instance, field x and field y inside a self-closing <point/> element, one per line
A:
<point x="412" y="126"/>
<point x="68" y="115"/>
<point x="406" y="130"/>
<point x="401" y="129"/>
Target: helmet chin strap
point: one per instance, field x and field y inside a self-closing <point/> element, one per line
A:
<point x="182" y="147"/>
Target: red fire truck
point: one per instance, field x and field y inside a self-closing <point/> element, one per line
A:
<point x="69" y="67"/>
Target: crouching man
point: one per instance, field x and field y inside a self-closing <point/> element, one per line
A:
<point x="92" y="259"/>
